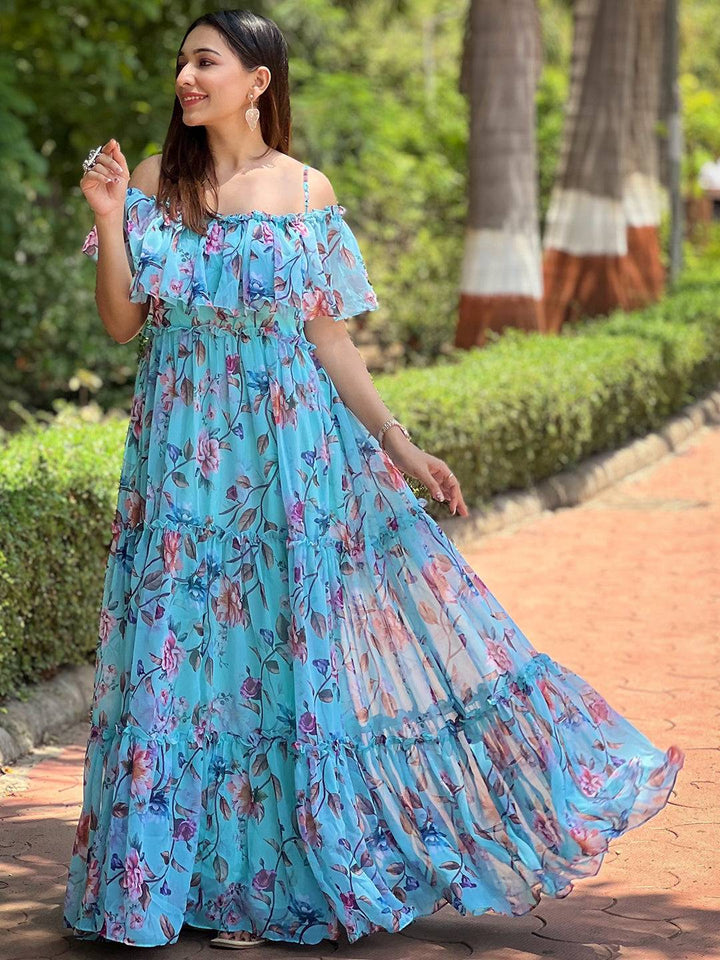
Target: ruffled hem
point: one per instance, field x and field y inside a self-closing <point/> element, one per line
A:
<point x="366" y="853"/>
<point x="309" y="263"/>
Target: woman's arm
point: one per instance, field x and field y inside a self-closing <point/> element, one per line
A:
<point x="122" y="319"/>
<point x="346" y="368"/>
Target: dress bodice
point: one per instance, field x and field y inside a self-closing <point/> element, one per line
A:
<point x="308" y="264"/>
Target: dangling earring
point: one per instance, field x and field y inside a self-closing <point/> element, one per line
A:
<point x="252" y="114"/>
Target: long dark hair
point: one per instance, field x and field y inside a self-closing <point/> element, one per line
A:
<point x="187" y="168"/>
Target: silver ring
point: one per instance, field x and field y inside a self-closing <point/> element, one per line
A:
<point x="91" y="159"/>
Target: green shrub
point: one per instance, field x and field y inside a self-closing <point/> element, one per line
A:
<point x="58" y="489"/>
<point x="505" y="416"/>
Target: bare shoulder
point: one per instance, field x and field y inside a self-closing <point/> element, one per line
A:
<point x="320" y="189"/>
<point x="146" y="175"/>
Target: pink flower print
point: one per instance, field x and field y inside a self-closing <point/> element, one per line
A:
<point x="154" y="284"/>
<point x="137" y="920"/>
<point x="107" y="622"/>
<point x="589" y="782"/>
<point x="207" y="453"/>
<point x="172" y="656"/>
<point x="175" y="287"/>
<point x="168" y="379"/>
<point x="90" y="246"/>
<point x="142" y="765"/>
<point x="590" y="841"/>
<point x="434" y="572"/>
<point x="499" y="656"/>
<point x="242" y="797"/>
<point x="295" y="515"/>
<point x="214" y="241"/>
<point x="116" y="529"/>
<point x="283" y="407"/>
<point x="228" y="606"/>
<point x="133" y="877"/>
<point x="92" y="883"/>
<point x="135" y="508"/>
<point x="172" y="559"/>
<point x="598" y="707"/>
<point x="315" y="303"/>
<point x="232" y="363"/>
<point x="82" y="836"/>
<point x="370" y="299"/>
<point x="136" y="414"/>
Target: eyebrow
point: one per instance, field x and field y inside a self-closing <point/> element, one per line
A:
<point x="201" y="50"/>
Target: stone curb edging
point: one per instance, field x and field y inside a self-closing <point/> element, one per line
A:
<point x="51" y="706"/>
<point x="65" y="699"/>
<point x="573" y="486"/>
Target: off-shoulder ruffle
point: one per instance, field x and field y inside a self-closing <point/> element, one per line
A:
<point x="308" y="262"/>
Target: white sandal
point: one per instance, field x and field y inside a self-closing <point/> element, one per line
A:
<point x="221" y="941"/>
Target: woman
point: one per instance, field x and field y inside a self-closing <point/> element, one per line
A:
<point x="310" y="713"/>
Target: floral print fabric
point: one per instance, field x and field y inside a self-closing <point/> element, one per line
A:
<point x="310" y="714"/>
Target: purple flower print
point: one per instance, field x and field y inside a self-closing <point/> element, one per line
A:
<point x="172" y="656"/>
<point x="264" y="880"/>
<point x="251" y="688"/>
<point x="215" y="237"/>
<point x="184" y="829"/>
<point x="306" y="722"/>
<point x="207" y="453"/>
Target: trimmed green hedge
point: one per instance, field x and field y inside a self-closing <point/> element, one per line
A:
<point x="58" y="489"/>
<point x="504" y="417"/>
<point x="528" y="406"/>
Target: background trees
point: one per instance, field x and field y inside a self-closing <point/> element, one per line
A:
<point x="377" y="104"/>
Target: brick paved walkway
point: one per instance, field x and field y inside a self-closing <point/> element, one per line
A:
<point x="625" y="590"/>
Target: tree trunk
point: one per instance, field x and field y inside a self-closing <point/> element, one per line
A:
<point x="643" y="197"/>
<point x="501" y="282"/>
<point x="586" y="235"/>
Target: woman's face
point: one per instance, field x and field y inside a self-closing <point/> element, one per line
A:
<point x="212" y="84"/>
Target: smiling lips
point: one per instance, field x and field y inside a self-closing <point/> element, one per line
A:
<point x="192" y="98"/>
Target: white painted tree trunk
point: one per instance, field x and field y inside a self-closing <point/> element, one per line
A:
<point x="501" y="282"/>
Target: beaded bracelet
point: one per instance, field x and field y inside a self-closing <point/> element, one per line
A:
<point x="390" y="422"/>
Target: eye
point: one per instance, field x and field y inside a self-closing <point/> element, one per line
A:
<point x="211" y="62"/>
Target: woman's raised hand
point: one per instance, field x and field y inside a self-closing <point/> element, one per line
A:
<point x="105" y="184"/>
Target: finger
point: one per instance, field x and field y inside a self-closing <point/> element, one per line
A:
<point x="110" y="164"/>
<point x="434" y="487"/>
<point x="119" y="158"/>
<point x="97" y="176"/>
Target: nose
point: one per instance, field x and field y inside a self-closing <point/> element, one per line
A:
<point x="185" y="76"/>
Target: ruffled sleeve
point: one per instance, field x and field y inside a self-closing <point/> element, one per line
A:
<point x="139" y="212"/>
<point x="308" y="263"/>
<point x="337" y="283"/>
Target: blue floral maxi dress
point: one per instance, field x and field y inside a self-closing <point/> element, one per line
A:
<point x="310" y="713"/>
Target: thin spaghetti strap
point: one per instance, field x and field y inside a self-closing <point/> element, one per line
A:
<point x="305" y="186"/>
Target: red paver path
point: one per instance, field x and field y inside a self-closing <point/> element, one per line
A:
<point x="625" y="590"/>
